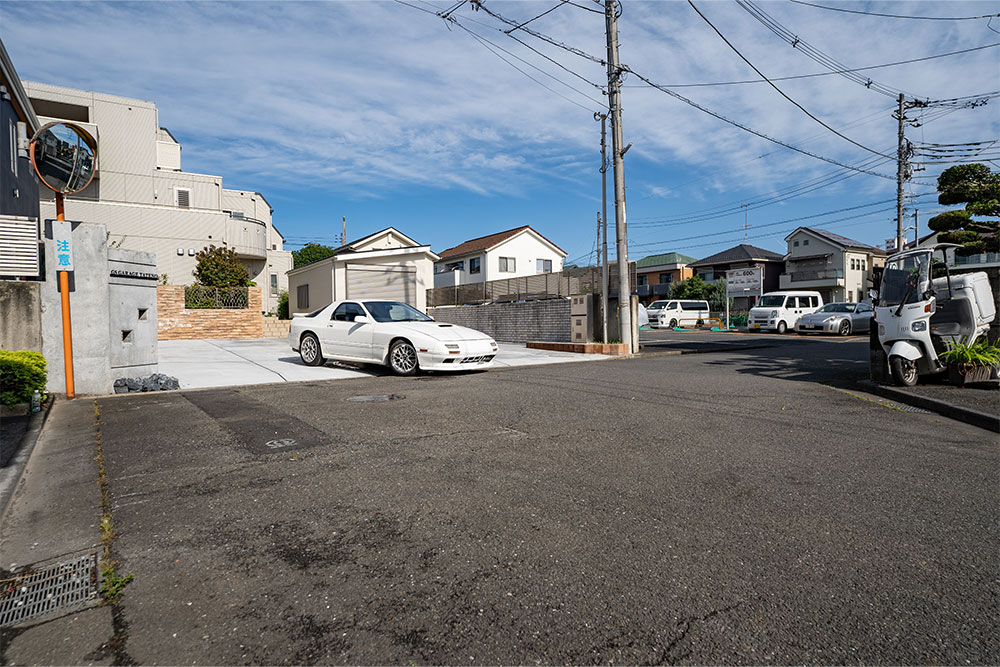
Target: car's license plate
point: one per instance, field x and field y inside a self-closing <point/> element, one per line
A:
<point x="756" y="326"/>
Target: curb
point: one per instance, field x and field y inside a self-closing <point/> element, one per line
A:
<point x="9" y="481"/>
<point x="974" y="417"/>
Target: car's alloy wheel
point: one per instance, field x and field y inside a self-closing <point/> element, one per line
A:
<point x="403" y="358"/>
<point x="904" y="371"/>
<point x="309" y="350"/>
<point x="673" y="323"/>
<point x="845" y="328"/>
<point x="782" y="327"/>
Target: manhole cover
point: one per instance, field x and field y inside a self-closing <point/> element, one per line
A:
<point x="375" y="398"/>
<point x="47" y="590"/>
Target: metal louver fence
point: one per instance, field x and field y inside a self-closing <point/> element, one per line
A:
<point x="230" y="298"/>
<point x="586" y="280"/>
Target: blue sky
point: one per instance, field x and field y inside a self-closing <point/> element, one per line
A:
<point x="386" y="114"/>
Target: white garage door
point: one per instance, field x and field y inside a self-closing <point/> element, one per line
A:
<point x="384" y="283"/>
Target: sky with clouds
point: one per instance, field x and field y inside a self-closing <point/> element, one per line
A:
<point x="387" y="114"/>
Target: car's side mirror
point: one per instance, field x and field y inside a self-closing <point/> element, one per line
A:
<point x="929" y="293"/>
<point x="361" y="319"/>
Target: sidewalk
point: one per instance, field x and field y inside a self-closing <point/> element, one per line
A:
<point x="978" y="405"/>
<point x="53" y="517"/>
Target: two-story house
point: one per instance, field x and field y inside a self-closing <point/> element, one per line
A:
<point x="744" y="256"/>
<point x="511" y="254"/>
<point x="657" y="273"/>
<point x="148" y="203"/>
<point x="834" y="265"/>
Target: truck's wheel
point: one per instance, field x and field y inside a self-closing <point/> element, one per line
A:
<point x="782" y="327"/>
<point x="904" y="371"/>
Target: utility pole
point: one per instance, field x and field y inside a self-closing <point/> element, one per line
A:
<point x="916" y="228"/>
<point x="746" y="220"/>
<point x="900" y="171"/>
<point x="603" y="117"/>
<point x="614" y="101"/>
<point x="343" y="234"/>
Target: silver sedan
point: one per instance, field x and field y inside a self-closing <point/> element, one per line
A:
<point x="842" y="318"/>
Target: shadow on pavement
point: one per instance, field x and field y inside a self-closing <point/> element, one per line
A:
<point x="829" y="363"/>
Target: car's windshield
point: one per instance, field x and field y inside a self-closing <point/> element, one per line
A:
<point x="905" y="280"/>
<point x="656" y="304"/>
<point x="771" y="300"/>
<point x="838" y="308"/>
<point x="395" y="311"/>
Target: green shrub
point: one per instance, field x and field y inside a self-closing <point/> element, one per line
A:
<point x="981" y="353"/>
<point x="21" y="373"/>
<point x="283" y="306"/>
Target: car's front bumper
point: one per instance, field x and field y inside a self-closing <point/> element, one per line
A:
<point x="471" y="355"/>
<point x="830" y="326"/>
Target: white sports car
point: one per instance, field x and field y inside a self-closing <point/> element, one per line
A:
<point x="390" y="333"/>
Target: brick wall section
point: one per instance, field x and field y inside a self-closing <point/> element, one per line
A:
<point x="546" y="320"/>
<point x="275" y="328"/>
<point x="174" y="322"/>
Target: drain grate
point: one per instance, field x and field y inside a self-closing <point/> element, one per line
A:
<point x="47" y="590"/>
<point x="376" y="398"/>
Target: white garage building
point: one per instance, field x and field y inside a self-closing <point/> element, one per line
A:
<point x="385" y="265"/>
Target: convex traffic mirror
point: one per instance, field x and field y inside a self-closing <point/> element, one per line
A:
<point x="64" y="156"/>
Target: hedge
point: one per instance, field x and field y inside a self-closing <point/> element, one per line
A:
<point x="21" y="373"/>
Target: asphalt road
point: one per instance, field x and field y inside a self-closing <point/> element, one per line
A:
<point x="710" y="508"/>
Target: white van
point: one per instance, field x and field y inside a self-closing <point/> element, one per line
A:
<point x="780" y="311"/>
<point x="677" y="313"/>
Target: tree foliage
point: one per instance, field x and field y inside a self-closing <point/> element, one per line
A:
<point x="218" y="267"/>
<point x="979" y="189"/>
<point x="311" y="252"/>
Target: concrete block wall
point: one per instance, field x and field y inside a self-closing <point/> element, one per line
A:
<point x="20" y="315"/>
<point x="546" y="320"/>
<point x="175" y="322"/>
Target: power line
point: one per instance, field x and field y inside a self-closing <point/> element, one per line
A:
<point x="809" y="76"/>
<point x="780" y="91"/>
<point x="746" y="128"/>
<point x="896" y="16"/>
<point x="815" y="54"/>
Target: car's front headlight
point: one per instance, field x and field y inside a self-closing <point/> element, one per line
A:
<point x="774" y="313"/>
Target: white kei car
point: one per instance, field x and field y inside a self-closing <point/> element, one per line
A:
<point x="390" y="333"/>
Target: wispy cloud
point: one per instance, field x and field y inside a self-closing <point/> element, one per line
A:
<point x="365" y="98"/>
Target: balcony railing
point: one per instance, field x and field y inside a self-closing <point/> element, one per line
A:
<point x="982" y="258"/>
<point x="823" y="274"/>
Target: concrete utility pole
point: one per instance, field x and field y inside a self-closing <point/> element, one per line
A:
<point x="614" y="101"/>
<point x="603" y="117"/>
<point x="900" y="172"/>
<point x="916" y="228"/>
<point x="746" y="220"/>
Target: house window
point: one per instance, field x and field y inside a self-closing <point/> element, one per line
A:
<point x="805" y="242"/>
<point x="454" y="266"/>
<point x="796" y="244"/>
<point x="239" y="215"/>
<point x="13" y="148"/>
<point x="853" y="267"/>
<point x="666" y="278"/>
<point x="640" y="280"/>
<point x="507" y="265"/>
<point x="302" y="296"/>
<point x="864" y="265"/>
<point x="474" y="264"/>
<point x="274" y="284"/>
<point x="850" y="296"/>
<point x="543" y="266"/>
<point x="182" y="198"/>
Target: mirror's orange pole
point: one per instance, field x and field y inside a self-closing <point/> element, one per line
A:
<point x="66" y="326"/>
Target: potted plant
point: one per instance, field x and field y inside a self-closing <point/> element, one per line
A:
<point x="977" y="362"/>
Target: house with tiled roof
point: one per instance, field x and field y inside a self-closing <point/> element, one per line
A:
<point x="838" y="267"/>
<point x="744" y="256"/>
<point x="509" y="254"/>
<point x="656" y="273"/>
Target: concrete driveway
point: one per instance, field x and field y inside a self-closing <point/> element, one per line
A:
<point x="240" y="361"/>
